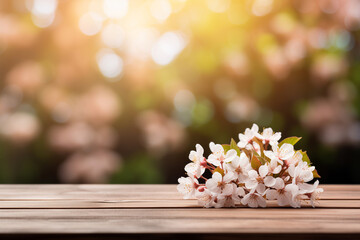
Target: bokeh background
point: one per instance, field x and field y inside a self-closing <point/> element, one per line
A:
<point x="117" y="91"/>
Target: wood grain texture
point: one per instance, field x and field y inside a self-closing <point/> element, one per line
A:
<point x="159" y="209"/>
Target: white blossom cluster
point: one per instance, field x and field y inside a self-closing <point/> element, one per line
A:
<point x="256" y="169"/>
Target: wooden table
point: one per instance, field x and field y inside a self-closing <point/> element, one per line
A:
<point x="157" y="211"/>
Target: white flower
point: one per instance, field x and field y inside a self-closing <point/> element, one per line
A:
<point x="283" y="175"/>
<point x="228" y="197"/>
<point x="217" y="183"/>
<point x="248" y="136"/>
<point x="198" y="155"/>
<point x="240" y="166"/>
<point x="308" y="188"/>
<point x="205" y="198"/>
<point x="285" y="152"/>
<point x="274" y="166"/>
<point x="295" y="159"/>
<point x="256" y="180"/>
<point x="315" y="196"/>
<point x="269" y="137"/>
<point x="187" y="186"/>
<point x="301" y="173"/>
<point x="195" y="169"/>
<point x="282" y="195"/>
<point x="218" y="155"/>
<point x="254" y="200"/>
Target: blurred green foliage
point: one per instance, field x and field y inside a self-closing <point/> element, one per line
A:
<point x="93" y="94"/>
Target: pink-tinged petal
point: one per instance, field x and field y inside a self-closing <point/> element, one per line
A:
<point x="308" y="188"/>
<point x="275" y="149"/>
<point x="291" y="170"/>
<point x="253" y="174"/>
<point x="277" y="169"/>
<point x="230" y="176"/>
<point x="185" y="180"/>
<point x="271" y="194"/>
<point x="269" y="154"/>
<point x="242" y="144"/>
<point x="269" y="181"/>
<point x="228" y="189"/>
<point x="235" y="162"/>
<point x="244" y="160"/>
<point x="276" y="136"/>
<point x="199" y="149"/>
<point x="186" y="187"/>
<point x="293" y="188"/>
<point x="260" y="188"/>
<point x="279" y="183"/>
<point x="243" y="178"/>
<point x="240" y="191"/>
<point x="217" y="148"/>
<point x="192" y="155"/>
<point x="255" y="128"/>
<point x="283" y="199"/>
<point x="261" y="202"/>
<point x="286" y="151"/>
<point x="212" y="146"/>
<point x="217" y="176"/>
<point x="316" y="183"/>
<point x="212" y="185"/>
<point x="296" y="158"/>
<point x="213" y="160"/>
<point x="307" y="176"/>
<point x="245" y="199"/>
<point x="193" y="170"/>
<point x="251" y="184"/>
<point x="230" y="155"/>
<point x="263" y="170"/>
<point x="267" y="133"/>
<point x="253" y="203"/>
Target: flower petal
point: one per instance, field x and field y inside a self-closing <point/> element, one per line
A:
<point x="217" y="176"/>
<point x="260" y="188"/>
<point x="269" y="181"/>
<point x="269" y="154"/>
<point x="212" y="185"/>
<point x="253" y="174"/>
<point x="228" y="189"/>
<point x="271" y="194"/>
<point x="263" y="170"/>
<point x="199" y="149"/>
<point x="279" y="183"/>
<point x="229" y="177"/>
<point x="261" y="202"/>
<point x="251" y="184"/>
<point x="286" y="151"/>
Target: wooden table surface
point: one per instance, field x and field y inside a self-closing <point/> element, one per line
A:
<point x="140" y="211"/>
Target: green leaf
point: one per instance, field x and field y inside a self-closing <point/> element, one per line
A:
<point x="261" y="159"/>
<point x="219" y="170"/>
<point x="247" y="152"/>
<point x="232" y="145"/>
<point x="255" y="162"/>
<point x="315" y="174"/>
<point x="305" y="157"/>
<point x="290" y="140"/>
<point x="226" y="147"/>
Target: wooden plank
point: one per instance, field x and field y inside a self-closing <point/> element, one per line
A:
<point x="130" y="192"/>
<point x="164" y="203"/>
<point x="243" y="220"/>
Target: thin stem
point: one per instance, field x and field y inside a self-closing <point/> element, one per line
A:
<point x="204" y="178"/>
